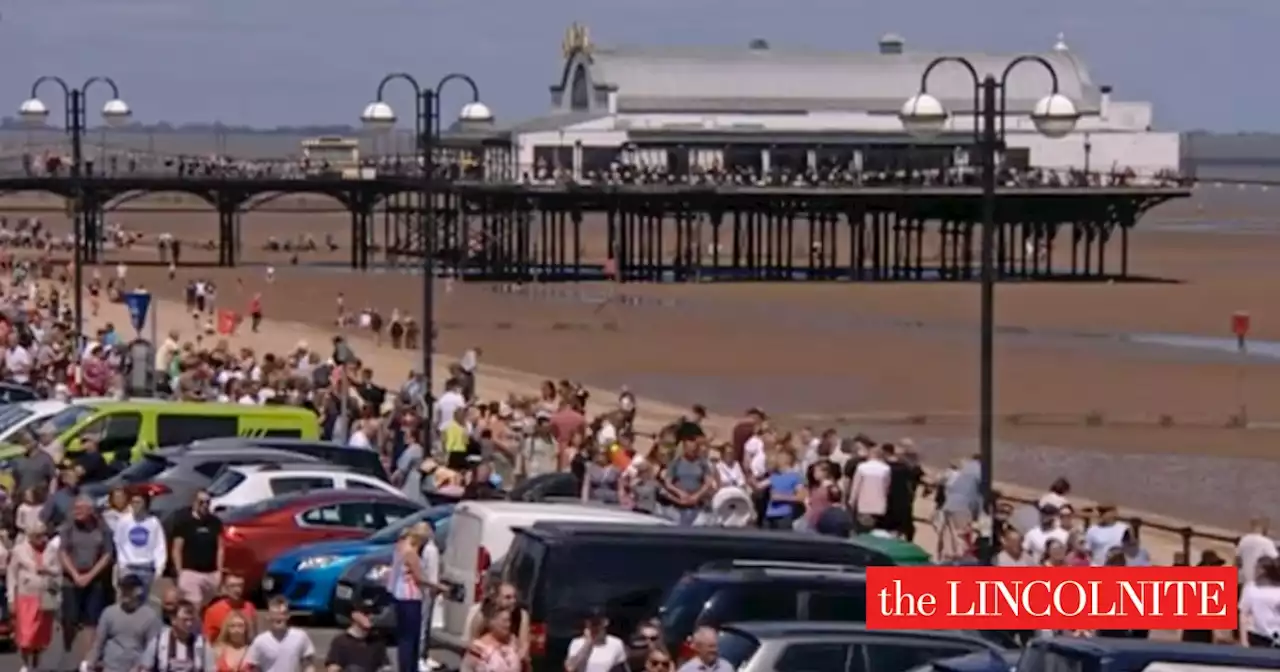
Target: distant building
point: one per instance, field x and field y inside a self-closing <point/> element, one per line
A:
<point x="773" y="106"/>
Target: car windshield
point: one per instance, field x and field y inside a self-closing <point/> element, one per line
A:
<point x="69" y="417"/>
<point x="391" y="533"/>
<point x="685" y="602"/>
<point x="143" y="470"/>
<point x="736" y="647"/>
<point x="225" y="483"/>
<point x="12" y="416"/>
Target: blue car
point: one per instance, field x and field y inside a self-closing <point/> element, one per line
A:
<point x="307" y="575"/>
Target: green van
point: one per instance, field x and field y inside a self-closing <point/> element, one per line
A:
<point x="131" y="428"/>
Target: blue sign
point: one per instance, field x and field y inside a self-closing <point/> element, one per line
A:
<point x="137" y="303"/>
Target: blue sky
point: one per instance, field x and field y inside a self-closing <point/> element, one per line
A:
<point x="280" y="62"/>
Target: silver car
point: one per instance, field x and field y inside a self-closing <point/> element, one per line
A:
<point x="799" y="646"/>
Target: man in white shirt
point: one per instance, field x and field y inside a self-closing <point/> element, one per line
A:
<point x="596" y="650"/>
<point x="431" y="578"/>
<point x="869" y="487"/>
<point x="17" y="361"/>
<point x="448" y="403"/>
<point x="1033" y="544"/>
<point x="281" y="648"/>
<point x="1252" y="547"/>
<point x="753" y="451"/>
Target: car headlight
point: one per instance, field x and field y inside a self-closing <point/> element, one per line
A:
<point x="317" y="562"/>
<point x="378" y="573"/>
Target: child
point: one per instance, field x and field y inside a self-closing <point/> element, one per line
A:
<point x="28" y="514"/>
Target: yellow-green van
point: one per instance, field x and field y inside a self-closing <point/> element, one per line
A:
<point x="131" y="428"/>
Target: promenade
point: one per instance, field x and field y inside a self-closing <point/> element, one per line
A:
<point x="392" y="367"/>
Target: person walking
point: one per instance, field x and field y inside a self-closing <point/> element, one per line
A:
<point x="85" y="555"/>
<point x="282" y="648"/>
<point x="124" y="631"/>
<point x="407" y="583"/>
<point x="231" y="648"/>
<point x="33" y="575"/>
<point x="179" y="647"/>
<point x="197" y="551"/>
<point x="140" y="543"/>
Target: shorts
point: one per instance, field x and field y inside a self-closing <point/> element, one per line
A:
<point x="83" y="607"/>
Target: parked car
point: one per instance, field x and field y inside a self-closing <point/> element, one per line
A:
<point x="172" y="476"/>
<point x="12" y="393"/>
<point x="255" y="535"/>
<point x="251" y="483"/>
<point x="746" y="591"/>
<point x="358" y="460"/>
<point x="482" y="532"/>
<point x="791" y="646"/>
<point x="308" y="575"/>
<point x="983" y="661"/>
<point x="1106" y="654"/>
<point x="632" y="567"/>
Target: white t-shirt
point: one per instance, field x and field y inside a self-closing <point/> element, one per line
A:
<point x="1052" y="499"/>
<point x="446" y="406"/>
<point x="1035" y="540"/>
<point x="1252" y="548"/>
<point x="608" y="434"/>
<point x="753" y="450"/>
<point x="359" y="440"/>
<point x="731" y="475"/>
<point x="18" y="361"/>
<point x="1262" y="605"/>
<point x="431" y="562"/>
<point x="286" y="654"/>
<point x="604" y="656"/>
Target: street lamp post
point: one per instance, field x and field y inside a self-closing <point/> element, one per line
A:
<point x="923" y="115"/>
<point x="379" y="117"/>
<point x="114" y="113"/>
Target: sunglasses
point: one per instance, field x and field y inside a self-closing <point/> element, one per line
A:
<point x="662" y="663"/>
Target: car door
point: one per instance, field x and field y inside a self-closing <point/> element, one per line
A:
<point x="817" y="657"/>
<point x="900" y="655"/>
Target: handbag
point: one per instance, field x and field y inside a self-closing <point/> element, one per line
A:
<point x="51" y="597"/>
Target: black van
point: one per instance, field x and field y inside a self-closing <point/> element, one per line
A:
<point x="561" y="569"/>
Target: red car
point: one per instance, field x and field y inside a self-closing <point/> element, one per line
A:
<point x="254" y="535"/>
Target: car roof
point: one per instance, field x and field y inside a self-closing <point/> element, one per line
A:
<point x="183" y="454"/>
<point x="43" y="406"/>
<point x="1159" y="650"/>
<point x="200" y="407"/>
<point x="781" y="629"/>
<point x="617" y="517"/>
<point x="311" y="498"/>
<point x="565" y="530"/>
<point x="277" y="443"/>
<point x="788" y="574"/>
<point x="295" y="468"/>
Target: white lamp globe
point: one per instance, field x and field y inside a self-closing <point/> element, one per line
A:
<point x="33" y="111"/>
<point x="1055" y="115"/>
<point x="476" y="111"/>
<point x="923" y="116"/>
<point x="116" y="112"/>
<point x="378" y="116"/>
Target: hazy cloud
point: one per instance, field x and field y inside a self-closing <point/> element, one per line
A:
<point x="274" y="62"/>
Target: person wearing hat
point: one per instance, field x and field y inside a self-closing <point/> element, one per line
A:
<point x="355" y="650"/>
<point x="596" y="650"/>
<point x="124" y="630"/>
<point x="1036" y="539"/>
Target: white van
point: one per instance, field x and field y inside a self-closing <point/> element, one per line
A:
<point x="480" y="532"/>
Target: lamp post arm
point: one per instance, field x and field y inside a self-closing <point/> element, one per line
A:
<point x="451" y="77"/>
<point x="69" y="119"/>
<point x="977" y="86"/>
<point x="1004" y="81"/>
